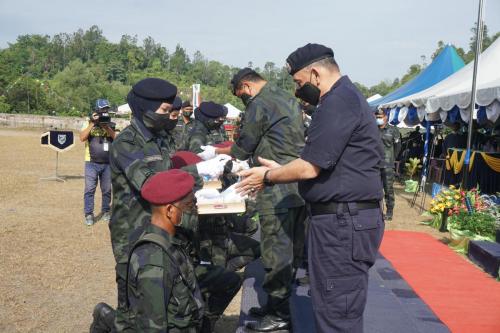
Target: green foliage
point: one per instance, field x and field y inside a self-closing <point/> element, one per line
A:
<point x="4" y="106"/>
<point x="478" y="223"/>
<point x="412" y="167"/>
<point x="64" y="74"/>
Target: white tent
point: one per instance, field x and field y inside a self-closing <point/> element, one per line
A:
<point x="123" y="109"/>
<point x="373" y="98"/>
<point x="456" y="90"/>
<point x="232" y="111"/>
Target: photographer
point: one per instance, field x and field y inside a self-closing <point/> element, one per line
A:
<point x="98" y="135"/>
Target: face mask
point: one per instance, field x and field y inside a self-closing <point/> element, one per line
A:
<point x="186" y="114"/>
<point x="309" y="93"/>
<point x="245" y="98"/>
<point x="189" y="222"/>
<point x="308" y="109"/>
<point x="380" y="121"/>
<point x="159" y="122"/>
<point x="213" y="124"/>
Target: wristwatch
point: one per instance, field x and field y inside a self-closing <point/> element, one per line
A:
<point x="267" y="182"/>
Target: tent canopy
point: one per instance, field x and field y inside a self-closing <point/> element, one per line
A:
<point x="445" y="64"/>
<point x="456" y="89"/>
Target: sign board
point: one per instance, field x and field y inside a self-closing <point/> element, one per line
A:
<point x="59" y="141"/>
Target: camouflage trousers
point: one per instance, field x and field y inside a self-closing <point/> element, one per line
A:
<point x="218" y="287"/>
<point x="388" y="182"/>
<point x="282" y="249"/>
<point x="226" y="241"/>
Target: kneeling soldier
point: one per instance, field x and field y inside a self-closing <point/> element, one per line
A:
<point x="162" y="290"/>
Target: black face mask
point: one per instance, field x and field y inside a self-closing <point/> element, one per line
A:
<point x="245" y="98"/>
<point x="309" y="93"/>
<point x="158" y="122"/>
<point x="213" y="124"/>
<point x="308" y="109"/>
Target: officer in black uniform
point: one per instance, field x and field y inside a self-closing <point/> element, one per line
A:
<point x="339" y="177"/>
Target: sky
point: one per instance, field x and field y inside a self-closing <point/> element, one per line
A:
<point x="373" y="40"/>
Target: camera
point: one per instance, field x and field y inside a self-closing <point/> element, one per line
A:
<point x="103" y="118"/>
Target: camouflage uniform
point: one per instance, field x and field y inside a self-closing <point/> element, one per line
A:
<point x="181" y="133"/>
<point x="391" y="140"/>
<point x="163" y="293"/>
<point x="135" y="155"/>
<point x="218" y="244"/>
<point x="200" y="135"/>
<point x="273" y="128"/>
<point x="218" y="285"/>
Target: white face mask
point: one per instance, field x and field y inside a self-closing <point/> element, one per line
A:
<point x="380" y="121"/>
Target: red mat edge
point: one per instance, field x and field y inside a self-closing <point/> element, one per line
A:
<point x="462" y="306"/>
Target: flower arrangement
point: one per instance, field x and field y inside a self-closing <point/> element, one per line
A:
<point x="469" y="215"/>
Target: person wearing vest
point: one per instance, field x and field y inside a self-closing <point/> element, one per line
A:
<point x="98" y="134"/>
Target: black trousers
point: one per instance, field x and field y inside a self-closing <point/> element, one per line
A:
<point x="341" y="249"/>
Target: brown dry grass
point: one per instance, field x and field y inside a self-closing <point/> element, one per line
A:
<point x="54" y="269"/>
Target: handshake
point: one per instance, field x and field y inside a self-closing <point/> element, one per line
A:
<point x="213" y="165"/>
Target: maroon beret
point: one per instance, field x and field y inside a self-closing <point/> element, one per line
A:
<point x="224" y="144"/>
<point x="184" y="158"/>
<point x="167" y="187"/>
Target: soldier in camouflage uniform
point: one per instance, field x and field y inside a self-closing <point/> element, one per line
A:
<point x="141" y="150"/>
<point x="162" y="291"/>
<point x="391" y="140"/>
<point x="219" y="245"/>
<point x="273" y="129"/>
<point x="184" y="126"/>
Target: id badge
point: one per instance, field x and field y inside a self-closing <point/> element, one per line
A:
<point x="106" y="146"/>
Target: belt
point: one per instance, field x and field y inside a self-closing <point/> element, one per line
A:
<point x="323" y="208"/>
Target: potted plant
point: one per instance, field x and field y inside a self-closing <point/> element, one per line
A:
<point x="412" y="167"/>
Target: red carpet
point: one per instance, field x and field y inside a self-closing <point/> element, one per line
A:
<point x="464" y="297"/>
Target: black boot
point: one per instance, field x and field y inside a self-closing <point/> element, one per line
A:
<point x="208" y="325"/>
<point x="269" y="323"/>
<point x="388" y="214"/>
<point x="258" y="312"/>
<point x="104" y="319"/>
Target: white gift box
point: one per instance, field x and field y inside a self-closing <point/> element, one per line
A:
<point x="211" y="201"/>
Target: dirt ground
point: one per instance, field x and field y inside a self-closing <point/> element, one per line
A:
<point x="53" y="268"/>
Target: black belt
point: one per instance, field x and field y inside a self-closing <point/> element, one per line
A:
<point x="323" y="208"/>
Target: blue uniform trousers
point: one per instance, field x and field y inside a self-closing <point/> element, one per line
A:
<point x="341" y="249"/>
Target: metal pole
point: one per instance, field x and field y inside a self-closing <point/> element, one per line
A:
<point x="479" y="40"/>
<point x="57" y="164"/>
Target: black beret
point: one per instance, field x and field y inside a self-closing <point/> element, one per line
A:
<point x="240" y="75"/>
<point x="211" y="110"/>
<point x="306" y="55"/>
<point x="177" y="104"/>
<point x="155" y="89"/>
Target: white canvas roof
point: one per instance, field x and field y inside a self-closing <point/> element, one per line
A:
<point x="456" y="89"/>
<point x="232" y="111"/>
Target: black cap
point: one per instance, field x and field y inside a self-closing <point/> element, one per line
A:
<point x="211" y="110"/>
<point x="235" y="81"/>
<point x="177" y="104"/>
<point x="306" y="55"/>
<point x="155" y="89"/>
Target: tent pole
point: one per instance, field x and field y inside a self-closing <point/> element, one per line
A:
<point x="479" y="40"/>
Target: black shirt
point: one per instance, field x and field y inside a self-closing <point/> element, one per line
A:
<point x="344" y="141"/>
